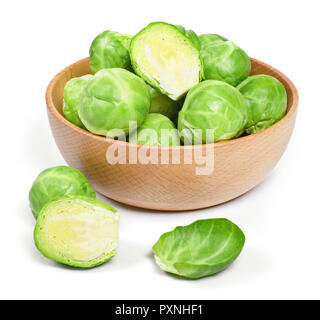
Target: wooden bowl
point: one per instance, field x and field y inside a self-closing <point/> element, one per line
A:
<point x="239" y="164"/>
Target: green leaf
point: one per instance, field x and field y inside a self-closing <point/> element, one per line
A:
<point x="200" y="249"/>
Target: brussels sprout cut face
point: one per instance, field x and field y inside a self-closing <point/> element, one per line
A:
<point x="57" y="182"/>
<point x="223" y="60"/>
<point x="110" y="50"/>
<point x="214" y="106"/>
<point x="113" y="98"/>
<point x="73" y="91"/>
<point x="166" y="59"/>
<point x="156" y="130"/>
<point x="77" y="231"/>
<point x="200" y="249"/>
<point x="266" y="99"/>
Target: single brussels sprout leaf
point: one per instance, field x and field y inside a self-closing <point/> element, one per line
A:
<point x="191" y="35"/>
<point x="113" y="98"/>
<point x="73" y="91"/>
<point x="166" y="59"/>
<point x="200" y="249"/>
<point x="214" y="106"/>
<point x="266" y="99"/>
<point x="157" y="130"/>
<point x="110" y="50"/>
<point x="56" y="182"/>
<point x="77" y="231"/>
<point x="209" y="38"/>
<point x="223" y="60"/>
<point x="161" y="103"/>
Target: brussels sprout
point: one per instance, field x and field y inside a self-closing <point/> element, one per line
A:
<point x="110" y="50"/>
<point x="166" y="59"/>
<point x="266" y="99"/>
<point x="223" y="60"/>
<point x="200" y="249"/>
<point x="215" y="106"/>
<point x="191" y="35"/>
<point x="209" y="38"/>
<point x="113" y="98"/>
<point x="72" y="94"/>
<point x="56" y="182"/>
<point x="157" y="130"/>
<point x="77" y="231"/>
<point x="160" y="103"/>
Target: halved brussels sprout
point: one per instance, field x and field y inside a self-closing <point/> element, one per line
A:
<point x="165" y="58"/>
<point x="113" y="98"/>
<point x="77" y="231"/>
<point x="200" y="249"/>
<point x="110" y="50"/>
<point x="223" y="60"/>
<point x="209" y="38"/>
<point x="73" y="91"/>
<point x="266" y="99"/>
<point x="157" y="130"/>
<point x="161" y="103"/>
<point x="215" y="106"/>
<point x="56" y="182"/>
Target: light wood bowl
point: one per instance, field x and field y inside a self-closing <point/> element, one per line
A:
<point x="239" y="164"/>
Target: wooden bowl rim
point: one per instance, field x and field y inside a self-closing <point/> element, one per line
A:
<point x="289" y="114"/>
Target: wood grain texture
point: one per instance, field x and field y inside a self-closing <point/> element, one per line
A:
<point x="239" y="164"/>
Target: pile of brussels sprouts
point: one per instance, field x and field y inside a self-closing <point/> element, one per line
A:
<point x="76" y="229"/>
<point x="167" y="77"/>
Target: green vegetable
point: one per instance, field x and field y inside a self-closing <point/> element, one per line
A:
<point x="191" y="35"/>
<point x="156" y="130"/>
<point x="223" y="60"/>
<point x="166" y="59"/>
<point x="215" y="106"/>
<point x="110" y="50"/>
<point x="113" y="98"/>
<point x="200" y="249"/>
<point x="266" y="99"/>
<point x="77" y="231"/>
<point x="56" y="182"/>
<point x="209" y="38"/>
<point x="160" y="103"/>
<point x="73" y="91"/>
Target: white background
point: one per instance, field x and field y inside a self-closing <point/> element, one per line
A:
<point x="280" y="217"/>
